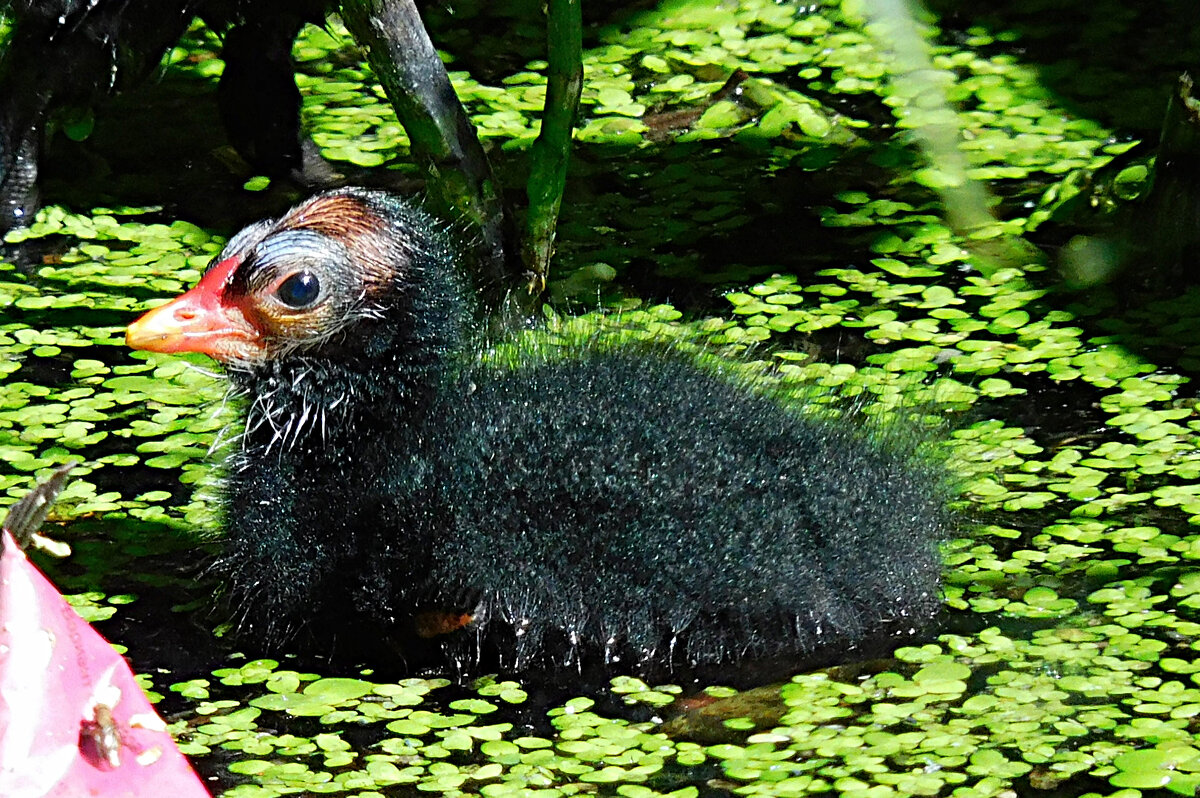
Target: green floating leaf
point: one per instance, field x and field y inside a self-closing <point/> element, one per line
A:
<point x="336" y="691"/>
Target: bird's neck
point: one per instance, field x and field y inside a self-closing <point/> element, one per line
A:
<point x="312" y="403"/>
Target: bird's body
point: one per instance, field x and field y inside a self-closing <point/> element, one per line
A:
<point x="604" y="502"/>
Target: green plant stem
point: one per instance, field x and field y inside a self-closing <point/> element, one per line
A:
<point x="552" y="150"/>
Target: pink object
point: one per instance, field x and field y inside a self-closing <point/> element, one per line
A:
<point x="73" y="721"/>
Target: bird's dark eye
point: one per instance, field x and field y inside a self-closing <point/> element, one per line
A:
<point x="299" y="291"/>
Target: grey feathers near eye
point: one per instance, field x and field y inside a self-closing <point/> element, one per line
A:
<point x="245" y="240"/>
<point x="295" y="266"/>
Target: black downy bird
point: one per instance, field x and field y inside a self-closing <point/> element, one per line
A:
<point x="615" y="503"/>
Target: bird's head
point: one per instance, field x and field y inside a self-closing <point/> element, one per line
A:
<point x="346" y="274"/>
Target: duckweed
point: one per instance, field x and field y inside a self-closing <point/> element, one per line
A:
<point x="812" y="251"/>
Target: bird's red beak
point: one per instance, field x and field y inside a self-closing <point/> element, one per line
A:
<point x="199" y="320"/>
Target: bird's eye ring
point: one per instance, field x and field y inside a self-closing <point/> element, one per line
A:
<point x="299" y="290"/>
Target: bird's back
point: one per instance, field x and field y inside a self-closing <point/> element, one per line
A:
<point x="623" y="503"/>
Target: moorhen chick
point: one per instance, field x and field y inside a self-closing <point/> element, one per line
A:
<point x="608" y="501"/>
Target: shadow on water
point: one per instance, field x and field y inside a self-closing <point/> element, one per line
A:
<point x="672" y="232"/>
<point x="1107" y="60"/>
<point x="678" y="234"/>
<point x="160" y="145"/>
